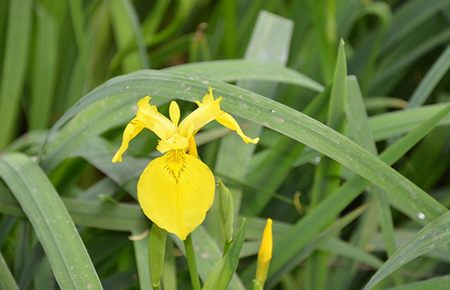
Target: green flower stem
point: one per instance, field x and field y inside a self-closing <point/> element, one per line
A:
<point x="257" y="285"/>
<point x="190" y="255"/>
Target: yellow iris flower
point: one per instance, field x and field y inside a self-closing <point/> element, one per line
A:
<point x="176" y="190"/>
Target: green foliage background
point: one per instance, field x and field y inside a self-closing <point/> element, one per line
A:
<point x="350" y="99"/>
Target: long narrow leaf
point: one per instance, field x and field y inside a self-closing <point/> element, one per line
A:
<point x="436" y="234"/>
<point x="53" y="226"/>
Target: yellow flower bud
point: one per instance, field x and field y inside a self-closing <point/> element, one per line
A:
<point x="264" y="254"/>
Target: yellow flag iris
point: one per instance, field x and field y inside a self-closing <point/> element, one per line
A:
<point x="176" y="190"/>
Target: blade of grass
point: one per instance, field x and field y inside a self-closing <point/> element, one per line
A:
<point x="127" y="30"/>
<point x="409" y="16"/>
<point x="221" y="274"/>
<point x="45" y="55"/>
<point x="53" y="226"/>
<point x="438" y="283"/>
<point x="433" y="76"/>
<point x="389" y="73"/>
<point x="379" y="212"/>
<point x="398" y="122"/>
<point x="95" y="214"/>
<point x="327" y="174"/>
<point x="141" y="256"/>
<point x="14" y="67"/>
<point x="245" y="69"/>
<point x="7" y="281"/>
<point x="433" y="235"/>
<point x="344" y="249"/>
<point x="79" y="71"/>
<point x="207" y="254"/>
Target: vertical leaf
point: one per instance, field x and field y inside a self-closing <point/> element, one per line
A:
<point x="14" y="67"/>
<point x="44" y="69"/>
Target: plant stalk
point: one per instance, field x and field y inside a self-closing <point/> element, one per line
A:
<point x="190" y="256"/>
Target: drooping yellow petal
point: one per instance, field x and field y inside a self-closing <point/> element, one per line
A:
<point x="174" y="112"/>
<point x="175" y="191"/>
<point x="265" y="253"/>
<point x="206" y="112"/>
<point x="154" y="120"/>
<point x="133" y="128"/>
<point x="228" y="121"/>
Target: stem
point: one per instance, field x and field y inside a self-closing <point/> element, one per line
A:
<point x="257" y="285"/>
<point x="226" y="247"/>
<point x="190" y="256"/>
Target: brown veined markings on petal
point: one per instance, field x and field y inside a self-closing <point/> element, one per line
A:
<point x="175" y="163"/>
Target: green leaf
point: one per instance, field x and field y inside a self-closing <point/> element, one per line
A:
<point x="44" y="69"/>
<point x="438" y="283"/>
<point x="14" y="67"/>
<point x="244" y="69"/>
<point x="140" y="243"/>
<point x="433" y="235"/>
<point x="7" y="281"/>
<point x="223" y="271"/>
<point x="398" y="122"/>
<point x="345" y="249"/>
<point x="127" y="30"/>
<point x="409" y="16"/>
<point x="433" y="76"/>
<point x="156" y="253"/>
<point x="96" y="214"/>
<point x="207" y="254"/>
<point x="52" y="224"/>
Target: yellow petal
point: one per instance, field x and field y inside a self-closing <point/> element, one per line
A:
<point x="174" y="112"/>
<point x="265" y="253"/>
<point x="175" y="191"/>
<point x="154" y="120"/>
<point x="133" y="128"/>
<point x="176" y="142"/>
<point x="206" y="112"/>
<point x="192" y="150"/>
<point x="228" y="121"/>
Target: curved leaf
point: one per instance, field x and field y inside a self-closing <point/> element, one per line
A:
<point x="233" y="70"/>
<point x="54" y="228"/>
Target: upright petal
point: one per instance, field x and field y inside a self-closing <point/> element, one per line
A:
<point x="228" y="121"/>
<point x="175" y="192"/>
<point x="133" y="128"/>
<point x="174" y="112"/>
